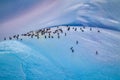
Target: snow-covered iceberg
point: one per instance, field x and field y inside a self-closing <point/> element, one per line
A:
<point x="85" y="47"/>
<point x="52" y="58"/>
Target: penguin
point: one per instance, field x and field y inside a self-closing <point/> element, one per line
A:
<point x="96" y="53"/>
<point x="14" y="36"/>
<point x="83" y="27"/>
<point x="37" y="37"/>
<point x="10" y="38"/>
<point x="72" y="49"/>
<point x="90" y="29"/>
<point x="45" y="36"/>
<point x="68" y="28"/>
<point x="76" y="42"/>
<point x="82" y="30"/>
<point x="58" y="36"/>
<point x="65" y="34"/>
<point x="98" y="30"/>
<point x="75" y="29"/>
<point x="32" y="35"/>
<point x="49" y="36"/>
<point x="17" y="36"/>
<point x="52" y="37"/>
<point x="4" y="38"/>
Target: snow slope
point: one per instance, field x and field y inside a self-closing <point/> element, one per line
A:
<point x="52" y="59"/>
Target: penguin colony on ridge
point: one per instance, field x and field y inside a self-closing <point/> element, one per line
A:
<point x="48" y="31"/>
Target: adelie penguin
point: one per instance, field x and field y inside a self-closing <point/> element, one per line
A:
<point x="82" y="30"/>
<point x="14" y="36"/>
<point x="32" y="35"/>
<point x="4" y="38"/>
<point x="75" y="29"/>
<point x="72" y="49"/>
<point x="65" y="34"/>
<point x="52" y="37"/>
<point x="45" y="36"/>
<point x="83" y="27"/>
<point x="90" y="29"/>
<point x="49" y="36"/>
<point x="58" y="34"/>
<point x="37" y="37"/>
<point x="58" y="37"/>
<point x="96" y="52"/>
<point x="10" y="38"/>
<point x="76" y="42"/>
<point x="98" y="31"/>
<point x="17" y="36"/>
<point x="68" y="28"/>
<point x="61" y="30"/>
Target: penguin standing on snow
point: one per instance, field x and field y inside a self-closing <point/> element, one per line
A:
<point x="72" y="49"/>
<point x="75" y="29"/>
<point x="4" y="38"/>
<point x="10" y="38"/>
<point x="90" y="29"/>
<point x="96" y="53"/>
<point x="58" y="36"/>
<point x="68" y="28"/>
<point x="76" y="42"/>
<point x="65" y="34"/>
<point x="98" y="31"/>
